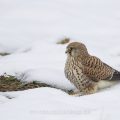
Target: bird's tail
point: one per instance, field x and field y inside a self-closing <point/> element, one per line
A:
<point x="116" y="75"/>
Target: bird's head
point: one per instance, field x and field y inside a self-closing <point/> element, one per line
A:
<point x="76" y="49"/>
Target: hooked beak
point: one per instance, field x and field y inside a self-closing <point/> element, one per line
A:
<point x="66" y="51"/>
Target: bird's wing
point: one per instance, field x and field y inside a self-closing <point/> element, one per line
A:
<point x="115" y="75"/>
<point x="96" y="70"/>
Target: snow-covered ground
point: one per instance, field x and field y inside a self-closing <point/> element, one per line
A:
<point x="29" y="29"/>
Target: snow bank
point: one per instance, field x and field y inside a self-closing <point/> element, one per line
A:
<point x="30" y="29"/>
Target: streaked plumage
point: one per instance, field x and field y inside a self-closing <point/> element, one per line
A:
<point x="86" y="71"/>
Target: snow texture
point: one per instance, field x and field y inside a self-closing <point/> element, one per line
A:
<point x="30" y="29"/>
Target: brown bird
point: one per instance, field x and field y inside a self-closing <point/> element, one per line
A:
<point x="88" y="73"/>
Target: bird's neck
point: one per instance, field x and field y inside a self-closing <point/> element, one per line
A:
<point x="83" y="58"/>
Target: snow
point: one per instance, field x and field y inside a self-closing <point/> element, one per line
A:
<point x="49" y="103"/>
<point x="30" y="29"/>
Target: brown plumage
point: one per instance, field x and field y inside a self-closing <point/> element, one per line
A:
<point x="87" y="72"/>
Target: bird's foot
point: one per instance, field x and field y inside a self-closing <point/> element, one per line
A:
<point x="77" y="94"/>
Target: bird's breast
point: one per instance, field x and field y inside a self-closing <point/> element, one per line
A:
<point x="73" y="71"/>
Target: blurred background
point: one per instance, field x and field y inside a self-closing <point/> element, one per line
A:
<point x="26" y="21"/>
<point x="30" y="29"/>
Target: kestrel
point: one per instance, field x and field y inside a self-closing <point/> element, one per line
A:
<point x="88" y="73"/>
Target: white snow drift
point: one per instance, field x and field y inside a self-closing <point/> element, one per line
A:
<point x="30" y="29"/>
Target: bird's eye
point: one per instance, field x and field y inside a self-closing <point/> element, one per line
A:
<point x="71" y="48"/>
